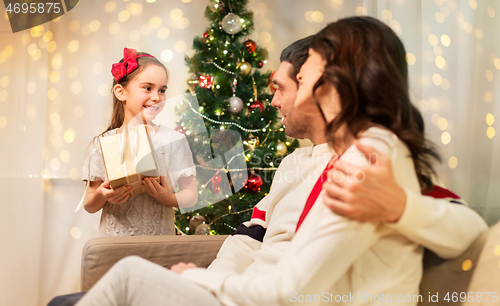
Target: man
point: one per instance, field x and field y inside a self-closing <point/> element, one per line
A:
<point x="257" y="245"/>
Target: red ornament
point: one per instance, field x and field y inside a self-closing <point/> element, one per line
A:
<point x="251" y="45"/>
<point x="260" y="64"/>
<point x="271" y="84"/>
<point x="253" y="183"/>
<point x="205" y="36"/>
<point x="206" y="81"/>
<point x="180" y="129"/>
<point x="256" y="104"/>
<point x="216" y="180"/>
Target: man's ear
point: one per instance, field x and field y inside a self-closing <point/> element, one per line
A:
<point x="119" y="92"/>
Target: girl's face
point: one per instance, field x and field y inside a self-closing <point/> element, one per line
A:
<point x="326" y="94"/>
<point x="145" y="93"/>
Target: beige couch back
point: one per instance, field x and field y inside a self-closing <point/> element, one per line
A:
<point x="99" y="254"/>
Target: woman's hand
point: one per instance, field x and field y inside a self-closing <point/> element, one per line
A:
<point x="160" y="192"/>
<point x="115" y="196"/>
<point x="181" y="267"/>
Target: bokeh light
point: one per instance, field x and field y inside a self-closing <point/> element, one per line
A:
<point x="410" y="58"/>
<point x="31" y="87"/>
<point x="166" y="55"/>
<point x="176" y="14"/>
<point x="76" y="233"/>
<point x="490" y="119"/>
<point x="73" y="46"/>
<point x="110" y="6"/>
<point x="155" y="22"/>
<point x="54" y="77"/>
<point x="488" y="96"/>
<point x="52" y="94"/>
<point x="55" y="164"/>
<point x="489" y="75"/>
<point x="440" y="17"/>
<point x="445" y="138"/>
<point x="55" y="118"/>
<point x="123" y="16"/>
<point x="95" y="25"/>
<point x="496" y="62"/>
<point x="265" y="37"/>
<point x="163" y="33"/>
<point x="433" y="40"/>
<point x="103" y="90"/>
<point x="452" y="162"/>
<point x="31" y="112"/>
<point x="442" y="124"/>
<point x="445" y="40"/>
<point x="491" y="12"/>
<point x="437" y="79"/>
<point x="134" y="9"/>
<point x="69" y="135"/>
<point x="76" y="87"/>
<point x="490" y="132"/>
<point x="180" y="46"/>
<point x="64" y="156"/>
<point x="114" y="28"/>
<point x="4" y="81"/>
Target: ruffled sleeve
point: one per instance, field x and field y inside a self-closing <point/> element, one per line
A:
<point x="93" y="167"/>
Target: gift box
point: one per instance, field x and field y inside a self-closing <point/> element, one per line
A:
<point x="129" y="157"/>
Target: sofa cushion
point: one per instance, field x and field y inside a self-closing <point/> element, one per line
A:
<point x="99" y="254"/>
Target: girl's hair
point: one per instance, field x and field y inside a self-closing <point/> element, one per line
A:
<point x="366" y="63"/>
<point x="118" y="114"/>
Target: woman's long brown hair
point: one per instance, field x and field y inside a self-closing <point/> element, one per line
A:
<point x="367" y="66"/>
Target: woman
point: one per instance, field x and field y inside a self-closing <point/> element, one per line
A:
<point x="356" y="77"/>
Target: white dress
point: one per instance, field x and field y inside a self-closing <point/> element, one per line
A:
<point x="142" y="214"/>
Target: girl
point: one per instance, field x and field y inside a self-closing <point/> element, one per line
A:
<point x="139" y="86"/>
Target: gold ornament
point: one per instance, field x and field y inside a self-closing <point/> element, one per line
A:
<point x="245" y="68"/>
<point x="191" y="83"/>
<point x="263" y="54"/>
<point x="281" y="148"/>
<point x="251" y="142"/>
<point x="202" y="229"/>
<point x="196" y="221"/>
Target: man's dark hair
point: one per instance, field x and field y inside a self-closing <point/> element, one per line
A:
<point x="297" y="54"/>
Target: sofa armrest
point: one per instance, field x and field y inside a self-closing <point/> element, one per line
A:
<point x="470" y="272"/>
<point x="100" y="254"/>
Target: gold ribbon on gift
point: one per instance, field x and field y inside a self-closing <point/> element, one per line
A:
<point x="128" y="157"/>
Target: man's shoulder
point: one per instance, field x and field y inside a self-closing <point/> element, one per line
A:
<point x="293" y="157"/>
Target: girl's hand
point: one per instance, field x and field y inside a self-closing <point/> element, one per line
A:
<point x="181" y="267"/>
<point x="115" y="196"/>
<point x="160" y="192"/>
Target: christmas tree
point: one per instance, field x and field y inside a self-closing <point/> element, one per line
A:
<point x="233" y="110"/>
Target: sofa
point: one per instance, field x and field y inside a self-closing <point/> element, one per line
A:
<point x="465" y="280"/>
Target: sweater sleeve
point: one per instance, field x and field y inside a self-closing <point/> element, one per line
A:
<point x="441" y="225"/>
<point x="438" y="222"/>
<point x="321" y="251"/>
<point x="236" y="254"/>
